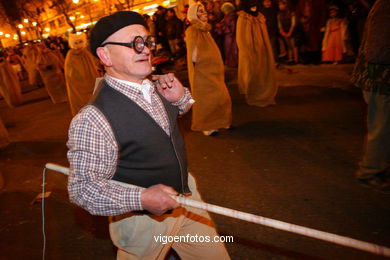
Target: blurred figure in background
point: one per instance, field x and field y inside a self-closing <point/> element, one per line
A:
<point x="312" y="15"/>
<point x="372" y="75"/>
<point x="256" y="64"/>
<point x="227" y="28"/>
<point x="287" y="23"/>
<point x="270" y="12"/>
<point x="172" y="30"/>
<point x="49" y="67"/>
<point x="81" y="71"/>
<point x="213" y="108"/>
<point x="9" y="83"/>
<point x="333" y="44"/>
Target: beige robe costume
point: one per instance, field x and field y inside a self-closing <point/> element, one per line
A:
<point x="30" y="56"/>
<point x="9" y="85"/>
<point x="256" y="68"/>
<point x="4" y="139"/>
<point x="81" y="72"/>
<point x="49" y="68"/>
<point x="212" y="108"/>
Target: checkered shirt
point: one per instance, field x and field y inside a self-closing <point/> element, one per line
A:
<point x="93" y="153"/>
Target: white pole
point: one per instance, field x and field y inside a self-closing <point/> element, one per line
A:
<point x="309" y="232"/>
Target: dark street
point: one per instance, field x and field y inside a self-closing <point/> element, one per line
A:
<point x="294" y="162"/>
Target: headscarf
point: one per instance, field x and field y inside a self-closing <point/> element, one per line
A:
<point x="227" y="7"/>
<point x="192" y="14"/>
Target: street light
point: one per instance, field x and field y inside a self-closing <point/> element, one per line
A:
<point x="20" y="26"/>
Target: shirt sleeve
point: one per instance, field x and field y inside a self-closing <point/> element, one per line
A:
<point x="185" y="103"/>
<point x="93" y="156"/>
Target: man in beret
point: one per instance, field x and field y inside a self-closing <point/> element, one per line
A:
<point x="129" y="133"/>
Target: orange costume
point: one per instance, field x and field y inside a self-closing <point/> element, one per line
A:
<point x="333" y="45"/>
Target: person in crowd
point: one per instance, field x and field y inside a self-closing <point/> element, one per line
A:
<point x="372" y="75"/>
<point x="213" y="108"/>
<point x="270" y="12"/>
<point x="129" y="133"/>
<point x="172" y="30"/>
<point x="160" y="28"/>
<point x="56" y="51"/>
<point x="256" y="66"/>
<point x="9" y="83"/>
<point x="287" y="24"/>
<point x="30" y="56"/>
<point x="312" y="15"/>
<point x="357" y="11"/>
<point x="227" y="27"/>
<point x="214" y="18"/>
<point x="333" y="44"/>
<point x="50" y="69"/>
<point x="151" y="24"/>
<point x="16" y="62"/>
<point x="81" y="71"/>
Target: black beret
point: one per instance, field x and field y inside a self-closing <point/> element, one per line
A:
<point x="110" y="24"/>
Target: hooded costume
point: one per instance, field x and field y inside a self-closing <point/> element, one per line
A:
<point x="30" y="56"/>
<point x="49" y="67"/>
<point x="9" y="84"/>
<point x="213" y="108"/>
<point x="81" y="70"/>
<point x="256" y="68"/>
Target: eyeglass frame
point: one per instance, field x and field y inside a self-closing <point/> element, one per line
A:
<point x="150" y="44"/>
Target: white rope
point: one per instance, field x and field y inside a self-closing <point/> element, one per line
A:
<point x="309" y="232"/>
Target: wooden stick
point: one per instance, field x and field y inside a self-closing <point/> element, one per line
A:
<point x="309" y="232"/>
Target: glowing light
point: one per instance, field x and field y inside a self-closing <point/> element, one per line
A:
<point x="20" y="26"/>
<point x="72" y="18"/>
<point x="82" y="17"/>
<point x="47" y="29"/>
<point x="8" y="35"/>
<point x="136" y="10"/>
<point x="25" y="20"/>
<point x="34" y="23"/>
<point x="165" y="3"/>
<point x="1" y="33"/>
<point x="23" y="33"/>
<point x="76" y="1"/>
<point x="150" y="6"/>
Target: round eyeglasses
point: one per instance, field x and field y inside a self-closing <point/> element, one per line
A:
<point x="138" y="44"/>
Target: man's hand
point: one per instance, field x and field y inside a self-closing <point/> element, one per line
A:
<point x="157" y="200"/>
<point x="169" y="86"/>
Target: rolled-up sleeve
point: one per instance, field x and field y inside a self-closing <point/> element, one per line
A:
<point x="185" y="103"/>
<point x="93" y="155"/>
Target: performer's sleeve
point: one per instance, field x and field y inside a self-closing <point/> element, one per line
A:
<point x="185" y="103"/>
<point x="92" y="157"/>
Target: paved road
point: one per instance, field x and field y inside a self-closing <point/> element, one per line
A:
<point x="292" y="162"/>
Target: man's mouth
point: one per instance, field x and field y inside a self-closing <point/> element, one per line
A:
<point x="144" y="59"/>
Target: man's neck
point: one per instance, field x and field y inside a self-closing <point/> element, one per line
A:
<point x="127" y="79"/>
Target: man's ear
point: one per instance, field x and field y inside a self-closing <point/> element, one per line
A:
<point x="104" y="56"/>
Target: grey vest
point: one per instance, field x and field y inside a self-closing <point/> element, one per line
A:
<point x="147" y="155"/>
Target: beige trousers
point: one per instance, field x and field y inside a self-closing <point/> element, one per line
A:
<point x="143" y="236"/>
